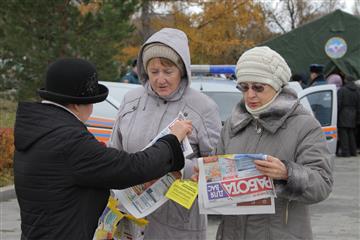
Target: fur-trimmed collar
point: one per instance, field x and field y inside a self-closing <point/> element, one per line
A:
<point x="272" y="118"/>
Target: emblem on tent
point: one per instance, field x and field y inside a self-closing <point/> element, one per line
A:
<point x="335" y="47"/>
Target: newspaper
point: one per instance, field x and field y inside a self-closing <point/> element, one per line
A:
<point x="143" y="199"/>
<point x="261" y="206"/>
<point x="185" y="144"/>
<point x="108" y="221"/>
<point x="232" y="179"/>
<point x="130" y="228"/>
<point x="113" y="224"/>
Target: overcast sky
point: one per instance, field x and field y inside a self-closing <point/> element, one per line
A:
<point x="348" y="7"/>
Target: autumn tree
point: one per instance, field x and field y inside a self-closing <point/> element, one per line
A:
<point x="34" y="33"/>
<point x="356" y="8"/>
<point x="142" y="20"/>
<point x="142" y="30"/>
<point x="221" y="31"/>
<point x="286" y="15"/>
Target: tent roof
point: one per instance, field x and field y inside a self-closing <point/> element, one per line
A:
<point x="306" y="45"/>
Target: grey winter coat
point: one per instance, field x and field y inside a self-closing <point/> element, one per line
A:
<point x="286" y="130"/>
<point x="143" y="114"/>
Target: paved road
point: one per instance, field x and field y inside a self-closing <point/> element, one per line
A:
<point x="337" y="218"/>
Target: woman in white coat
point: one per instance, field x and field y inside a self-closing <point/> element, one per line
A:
<point x="164" y="70"/>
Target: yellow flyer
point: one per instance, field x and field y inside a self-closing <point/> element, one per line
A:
<point x="183" y="192"/>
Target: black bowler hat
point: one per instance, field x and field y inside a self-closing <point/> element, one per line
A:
<point x="71" y="80"/>
<point x="316" y="68"/>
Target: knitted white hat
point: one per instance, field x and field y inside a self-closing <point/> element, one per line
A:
<point x="263" y="65"/>
<point x="155" y="50"/>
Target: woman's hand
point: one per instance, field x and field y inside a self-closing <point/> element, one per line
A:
<point x="195" y="176"/>
<point x="181" y="128"/>
<point x="176" y="174"/>
<point x="272" y="167"/>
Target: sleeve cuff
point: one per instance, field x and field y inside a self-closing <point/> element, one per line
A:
<point x="178" y="160"/>
<point x="297" y="179"/>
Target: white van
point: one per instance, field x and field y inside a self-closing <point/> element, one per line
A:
<point x="322" y="100"/>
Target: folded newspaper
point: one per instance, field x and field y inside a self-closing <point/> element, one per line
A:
<point x="116" y="225"/>
<point x="231" y="184"/>
<point x="143" y="199"/>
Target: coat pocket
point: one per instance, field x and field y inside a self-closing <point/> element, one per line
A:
<point x="177" y="214"/>
<point x="129" y="107"/>
<point x="126" y="119"/>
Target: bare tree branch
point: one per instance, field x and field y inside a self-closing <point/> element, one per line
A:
<point x="287" y="15"/>
<point x="356" y="8"/>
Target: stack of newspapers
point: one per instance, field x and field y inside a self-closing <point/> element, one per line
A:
<point x="231" y="185"/>
<point x="125" y="219"/>
<point x="143" y="199"/>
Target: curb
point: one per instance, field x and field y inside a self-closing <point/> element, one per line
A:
<point x="7" y="192"/>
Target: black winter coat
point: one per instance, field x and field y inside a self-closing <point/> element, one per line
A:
<point x="348" y="105"/>
<point x="63" y="174"/>
<point x="319" y="80"/>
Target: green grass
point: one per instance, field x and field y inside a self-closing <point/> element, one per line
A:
<point x="7" y="112"/>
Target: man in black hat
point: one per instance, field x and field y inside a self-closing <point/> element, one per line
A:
<point x="62" y="173"/>
<point x="317" y="75"/>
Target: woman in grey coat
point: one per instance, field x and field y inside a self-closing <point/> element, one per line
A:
<point x="164" y="69"/>
<point x="270" y="120"/>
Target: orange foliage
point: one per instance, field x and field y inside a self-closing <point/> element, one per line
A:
<point x="6" y="148"/>
<point x="91" y="7"/>
<point x="220" y="33"/>
<point x="129" y="52"/>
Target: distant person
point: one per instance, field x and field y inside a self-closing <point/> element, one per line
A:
<point x="348" y="111"/>
<point x="357" y="83"/>
<point x="63" y="175"/>
<point x="299" y="78"/>
<point x="132" y="75"/>
<point x="316" y="75"/>
<point x="335" y="79"/>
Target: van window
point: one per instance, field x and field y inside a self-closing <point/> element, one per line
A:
<point x="226" y="102"/>
<point x="321" y="105"/>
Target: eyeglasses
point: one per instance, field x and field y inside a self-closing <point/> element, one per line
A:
<point x="256" y="87"/>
